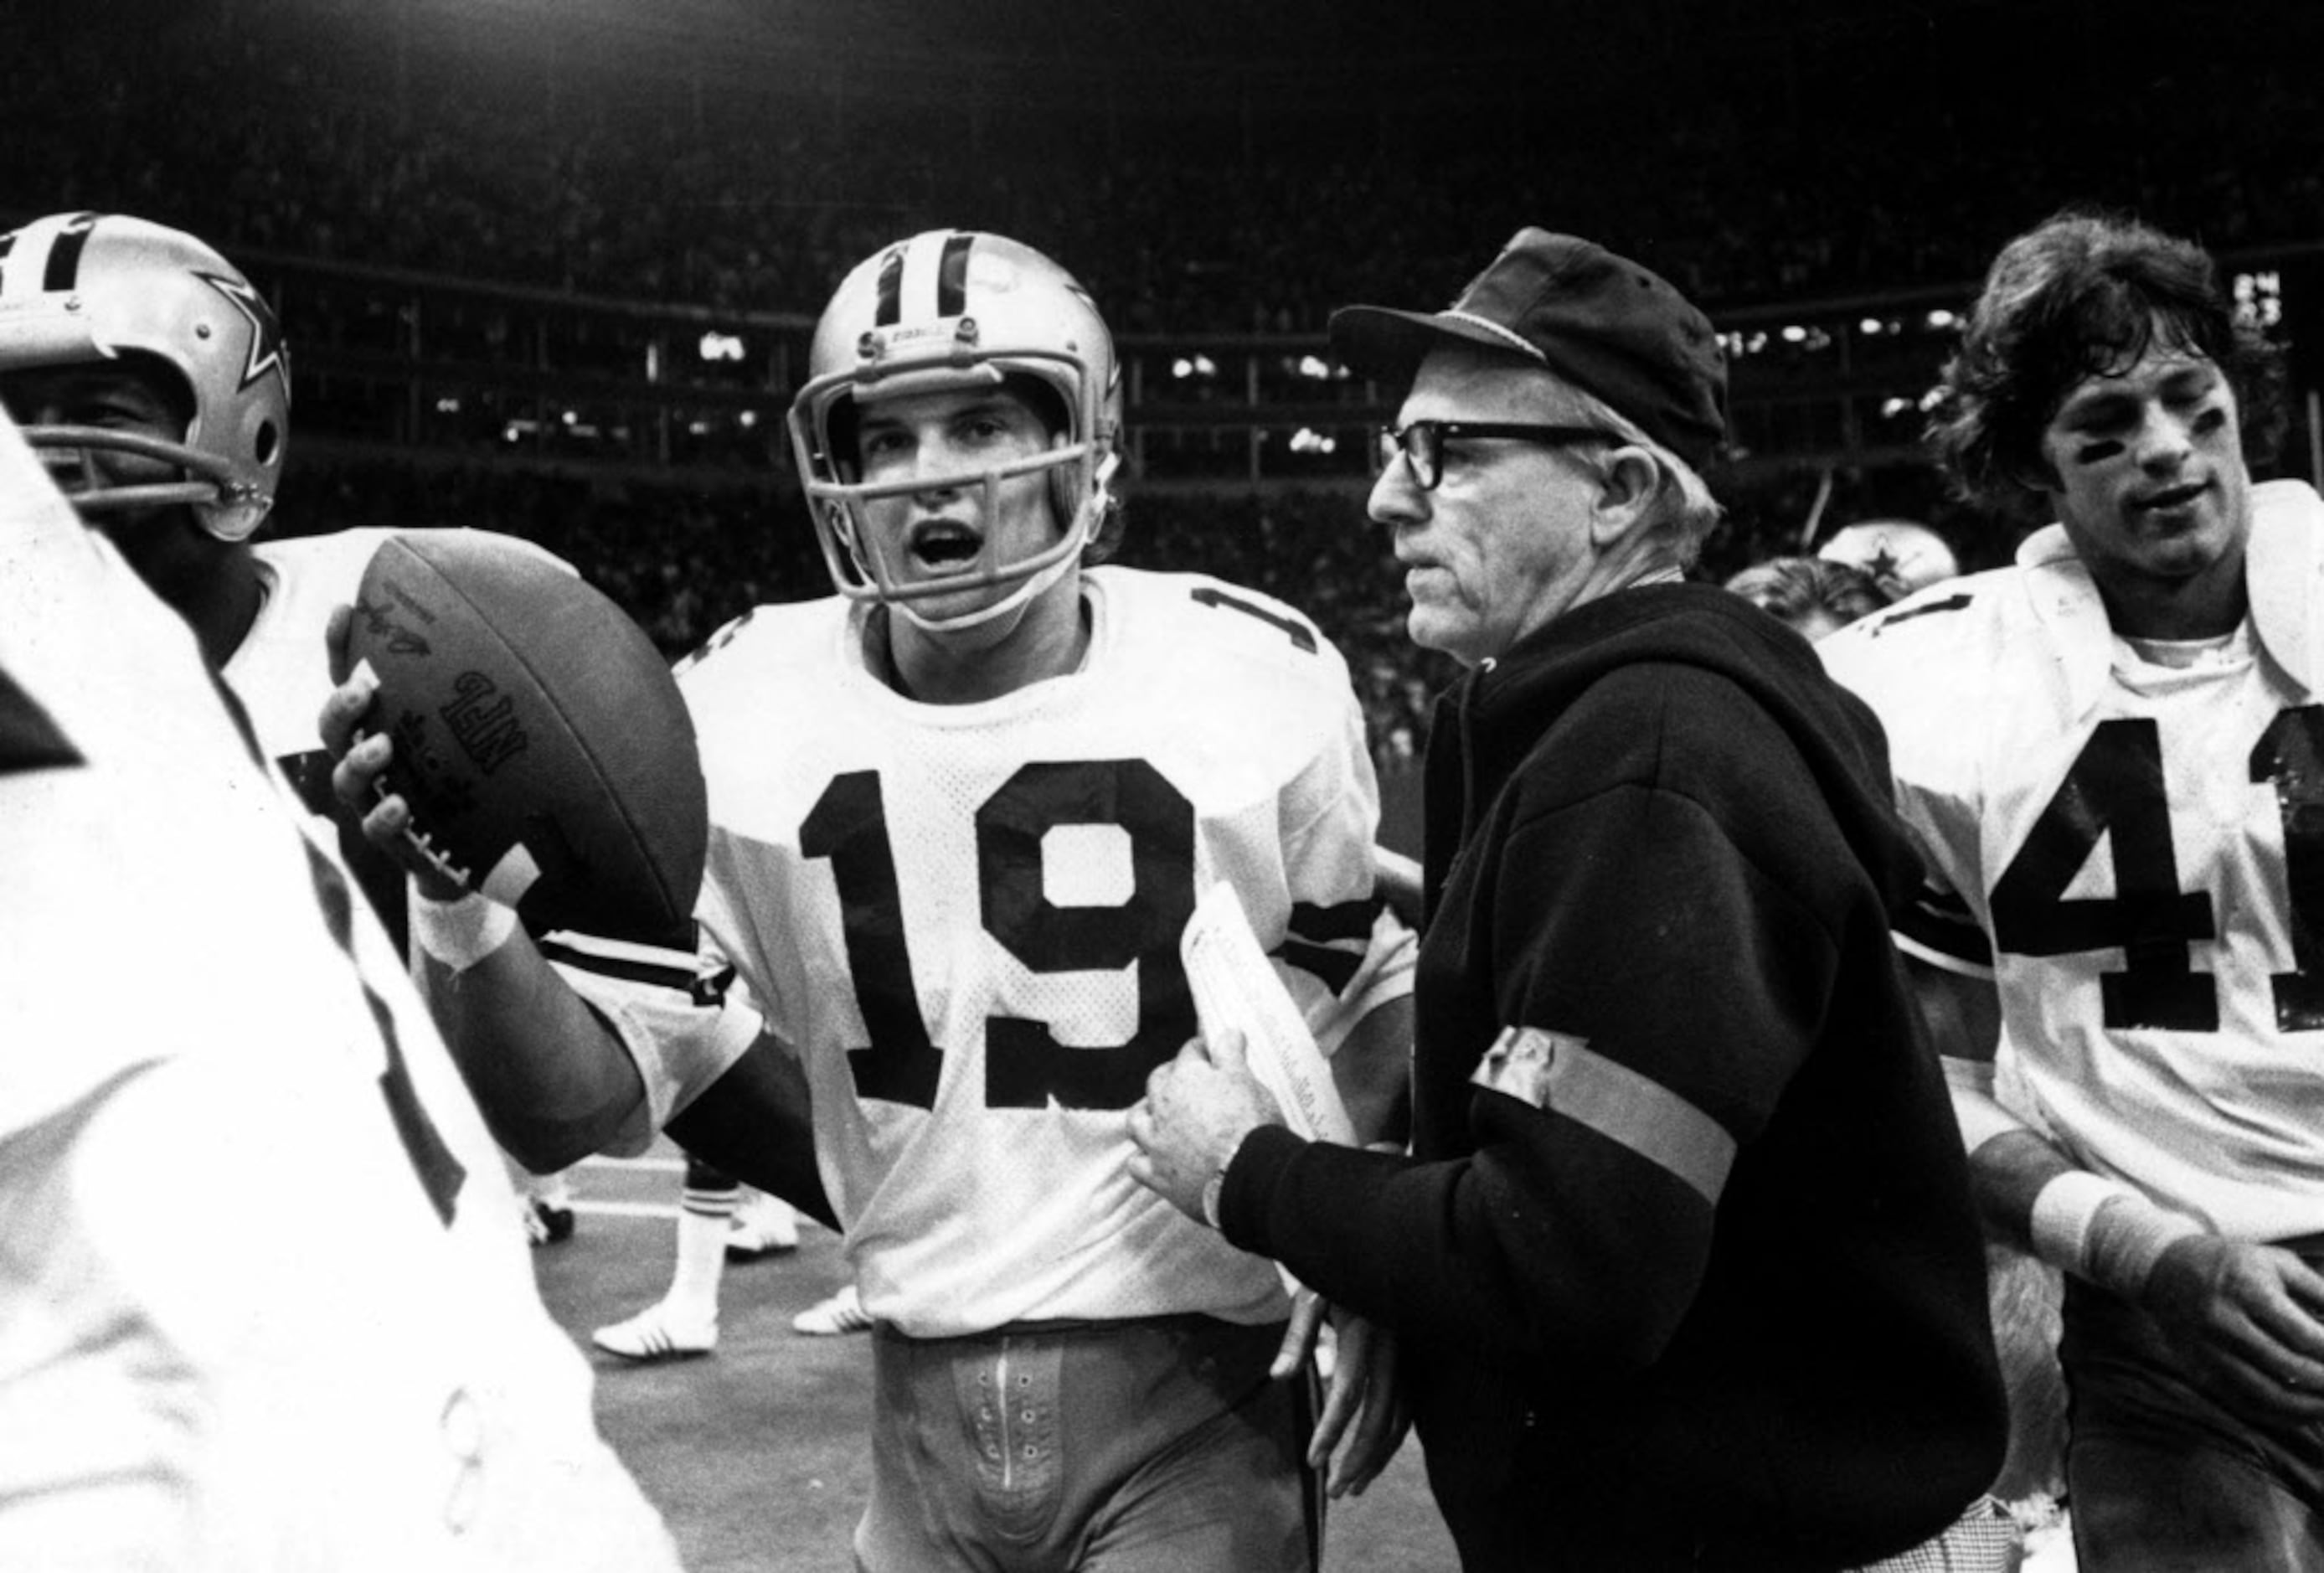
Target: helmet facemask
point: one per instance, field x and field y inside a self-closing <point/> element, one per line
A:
<point x="88" y="290"/>
<point x="1058" y="348"/>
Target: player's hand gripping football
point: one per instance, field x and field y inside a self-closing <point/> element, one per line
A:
<point x="2249" y="1316"/>
<point x="362" y="758"/>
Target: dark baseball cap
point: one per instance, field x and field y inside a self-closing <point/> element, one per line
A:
<point x="1605" y="324"/>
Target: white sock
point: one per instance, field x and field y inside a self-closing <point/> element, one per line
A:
<point x="702" y="1220"/>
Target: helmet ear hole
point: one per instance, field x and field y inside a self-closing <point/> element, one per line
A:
<point x="1046" y="400"/>
<point x="268" y="440"/>
<point x="839" y="427"/>
<point x="166" y="381"/>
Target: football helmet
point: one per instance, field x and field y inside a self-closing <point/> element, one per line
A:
<point x="84" y="287"/>
<point x="1900" y="555"/>
<point x="947" y="309"/>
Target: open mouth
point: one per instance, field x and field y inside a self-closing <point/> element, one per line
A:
<point x="2175" y="497"/>
<point x="943" y="546"/>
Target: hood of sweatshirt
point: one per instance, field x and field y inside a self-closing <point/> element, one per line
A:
<point x="1500" y="711"/>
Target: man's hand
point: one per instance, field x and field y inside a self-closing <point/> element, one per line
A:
<point x="1363" y="1390"/>
<point x="1198" y="1108"/>
<point x="361" y="761"/>
<point x="2251" y="1318"/>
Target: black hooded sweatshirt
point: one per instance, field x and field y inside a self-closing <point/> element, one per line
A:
<point x="1713" y="1294"/>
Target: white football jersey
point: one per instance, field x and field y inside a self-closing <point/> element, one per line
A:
<point x="208" y="1360"/>
<point x="967" y="918"/>
<point x="2135" y="853"/>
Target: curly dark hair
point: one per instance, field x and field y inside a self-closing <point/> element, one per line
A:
<point x="2081" y="294"/>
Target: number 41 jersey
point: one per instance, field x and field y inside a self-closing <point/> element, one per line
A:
<point x="2131" y="842"/>
<point x="967" y="918"/>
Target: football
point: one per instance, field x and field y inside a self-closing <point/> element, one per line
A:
<point x="539" y="737"/>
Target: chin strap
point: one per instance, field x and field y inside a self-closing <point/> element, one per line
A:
<point x="1015" y="601"/>
<point x="1086" y="519"/>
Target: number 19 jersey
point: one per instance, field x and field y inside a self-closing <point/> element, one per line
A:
<point x="966" y="918"/>
<point x="2133" y="848"/>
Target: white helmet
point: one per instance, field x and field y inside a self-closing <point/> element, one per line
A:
<point x="947" y="309"/>
<point x="1900" y="555"/>
<point x="85" y="288"/>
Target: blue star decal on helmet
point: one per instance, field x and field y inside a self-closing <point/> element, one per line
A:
<point x="267" y="351"/>
<point x="1883" y="563"/>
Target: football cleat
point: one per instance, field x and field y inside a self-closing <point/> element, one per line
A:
<point x="842" y="1313"/>
<point x="762" y="1226"/>
<point x="655" y="1333"/>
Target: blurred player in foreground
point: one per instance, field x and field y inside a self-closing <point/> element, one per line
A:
<point x="2110" y="755"/>
<point x="960" y="814"/>
<point x="154" y="381"/>
<point x="192" y="1006"/>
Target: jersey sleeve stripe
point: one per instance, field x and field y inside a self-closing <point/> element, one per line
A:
<point x="1341" y="920"/>
<point x="1562" y="1074"/>
<point x="1937" y="927"/>
<point x="29" y="738"/>
<point x="679" y="971"/>
<point x="1335" y="969"/>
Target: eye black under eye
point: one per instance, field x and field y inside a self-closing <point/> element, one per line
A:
<point x="2095" y="452"/>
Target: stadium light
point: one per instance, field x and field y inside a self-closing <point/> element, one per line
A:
<point x="2259" y="298"/>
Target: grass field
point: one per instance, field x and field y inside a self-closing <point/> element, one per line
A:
<point x="756" y="1455"/>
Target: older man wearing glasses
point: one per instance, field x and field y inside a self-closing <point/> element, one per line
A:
<point x="1683" y="1259"/>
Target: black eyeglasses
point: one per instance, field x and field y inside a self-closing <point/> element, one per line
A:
<point x="1422" y="443"/>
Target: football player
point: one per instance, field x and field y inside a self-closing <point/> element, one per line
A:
<point x="2109" y="754"/>
<point x="1816" y="595"/>
<point x="193" y="1006"/>
<point x="960" y="814"/>
<point x="153" y="379"/>
<point x="1901" y="556"/>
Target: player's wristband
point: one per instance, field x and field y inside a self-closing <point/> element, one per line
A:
<point x="2128" y="1237"/>
<point x="2102" y="1230"/>
<point x="461" y="933"/>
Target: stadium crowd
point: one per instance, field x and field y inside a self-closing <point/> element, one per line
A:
<point x="758" y="201"/>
